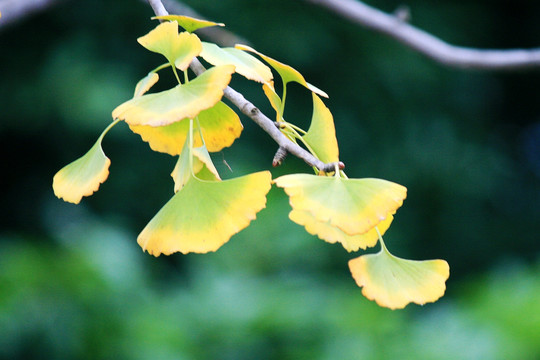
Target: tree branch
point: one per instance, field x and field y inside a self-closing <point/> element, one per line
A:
<point x="251" y="111"/>
<point x="429" y="45"/>
<point x="14" y="10"/>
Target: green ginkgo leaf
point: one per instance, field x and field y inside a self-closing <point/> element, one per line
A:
<point x="355" y="206"/>
<point x="394" y="282"/>
<point x="286" y="72"/>
<point x="321" y="136"/>
<point x="181" y="102"/>
<point x="179" y="49"/>
<point x="332" y="234"/>
<point x="188" y="23"/>
<point x="220" y="126"/>
<point x="246" y="64"/>
<point x="145" y="84"/>
<point x="203" y="215"/>
<point x="83" y="176"/>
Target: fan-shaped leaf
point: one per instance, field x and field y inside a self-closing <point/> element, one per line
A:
<point x="179" y="49"/>
<point x="145" y="84"/>
<point x="246" y="64"/>
<point x="181" y="102"/>
<point x="220" y="126"/>
<point x="203" y="215"/>
<point x="274" y="100"/>
<point x="394" y="282"/>
<point x="188" y="23"/>
<point x="353" y="205"/>
<point x="321" y="135"/>
<point x="286" y="72"/>
<point x="83" y="176"/>
<point x="332" y="234"/>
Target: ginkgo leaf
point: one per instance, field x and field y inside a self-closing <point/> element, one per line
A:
<point x="203" y="215"/>
<point x="145" y="84"/>
<point x="184" y="168"/>
<point x="394" y="282"/>
<point x="274" y="100"/>
<point x="321" y="136"/>
<point x="353" y="205"/>
<point x="83" y="176"/>
<point x="332" y="234"/>
<point x="188" y="23"/>
<point x="286" y="72"/>
<point x="181" y="102"/>
<point x="202" y="155"/>
<point x="220" y="126"/>
<point x="179" y="49"/>
<point x="246" y="65"/>
<point x="182" y="173"/>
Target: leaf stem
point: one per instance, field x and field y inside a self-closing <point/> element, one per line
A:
<point x="383" y="246"/>
<point x="161" y="67"/>
<point x="111" y="125"/>
<point x="176" y="73"/>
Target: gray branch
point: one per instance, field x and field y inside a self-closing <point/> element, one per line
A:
<point x="251" y="111"/>
<point x="429" y="45"/>
<point x="14" y="10"/>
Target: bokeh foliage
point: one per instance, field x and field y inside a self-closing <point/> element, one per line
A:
<point x="74" y="283"/>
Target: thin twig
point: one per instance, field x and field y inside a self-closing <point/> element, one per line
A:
<point x="429" y="45"/>
<point x="251" y="111"/>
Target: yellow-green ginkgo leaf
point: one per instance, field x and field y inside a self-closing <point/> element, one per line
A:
<point x="201" y="154"/>
<point x="203" y="215"/>
<point x="181" y="102"/>
<point x="321" y="136"/>
<point x="353" y="205"/>
<point x="286" y="72"/>
<point x="145" y="84"/>
<point x="188" y="23"/>
<point x="83" y="176"/>
<point x="274" y="99"/>
<point x="332" y="234"/>
<point x="220" y="126"/>
<point x="179" y="49"/>
<point x="246" y="65"/>
<point x="184" y="168"/>
<point x="202" y="169"/>
<point x="394" y="282"/>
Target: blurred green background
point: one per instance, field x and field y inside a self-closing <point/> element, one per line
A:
<point x="74" y="284"/>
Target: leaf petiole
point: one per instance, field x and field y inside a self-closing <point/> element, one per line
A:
<point x="161" y="67"/>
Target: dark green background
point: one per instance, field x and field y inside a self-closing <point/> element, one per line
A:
<point x="74" y="284"/>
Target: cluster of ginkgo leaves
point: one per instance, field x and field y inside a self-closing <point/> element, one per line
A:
<point x="190" y="121"/>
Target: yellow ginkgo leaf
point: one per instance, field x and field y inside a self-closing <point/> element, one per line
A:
<point x="274" y="99"/>
<point x="83" y="176"/>
<point x="188" y="23"/>
<point x="181" y="102"/>
<point x="179" y="49"/>
<point x="220" y="126"/>
<point x="332" y="234"/>
<point x="355" y="206"/>
<point x="286" y="72"/>
<point x="246" y="65"/>
<point x="321" y="136"/>
<point x="203" y="215"/>
<point x="145" y="84"/>
<point x="394" y="282"/>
